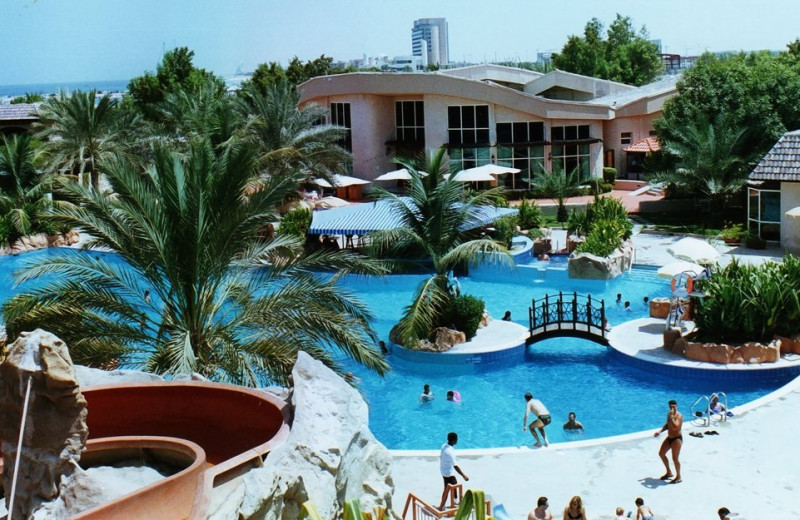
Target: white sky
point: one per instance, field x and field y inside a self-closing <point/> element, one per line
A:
<point x="81" y="40"/>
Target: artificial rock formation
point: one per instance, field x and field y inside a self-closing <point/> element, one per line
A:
<point x="55" y="427"/>
<point x="593" y="267"/>
<point x="720" y="353"/>
<point x="330" y="456"/>
<point x="40" y="241"/>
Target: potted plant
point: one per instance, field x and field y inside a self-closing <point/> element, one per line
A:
<point x="754" y="241"/>
<point x="732" y="234"/>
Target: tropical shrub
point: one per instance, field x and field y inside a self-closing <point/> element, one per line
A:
<point x="5" y="232"/>
<point x="609" y="175"/>
<point x="750" y="303"/>
<point x="504" y="230"/>
<point x="464" y="313"/>
<point x="606" y="225"/>
<point x="295" y="223"/>
<point x="530" y="215"/>
<point x="578" y="223"/>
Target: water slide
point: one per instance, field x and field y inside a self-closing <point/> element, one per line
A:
<point x="499" y="512"/>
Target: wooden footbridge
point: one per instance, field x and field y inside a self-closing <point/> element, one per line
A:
<point x="570" y="314"/>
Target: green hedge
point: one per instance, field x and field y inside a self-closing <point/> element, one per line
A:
<point x="750" y="303"/>
<point x="295" y="223"/>
<point x="609" y="175"/>
<point x="464" y="313"/>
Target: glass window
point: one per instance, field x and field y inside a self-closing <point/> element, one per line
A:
<point x="571" y="133"/>
<point x="340" y="116"/>
<point x="504" y="133"/>
<point x="625" y="138"/>
<point x="764" y="213"/>
<point x="468" y="125"/>
<point x="410" y="122"/>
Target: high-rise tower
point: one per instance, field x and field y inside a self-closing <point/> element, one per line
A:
<point x="429" y="40"/>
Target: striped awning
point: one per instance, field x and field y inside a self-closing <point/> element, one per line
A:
<point x="360" y="219"/>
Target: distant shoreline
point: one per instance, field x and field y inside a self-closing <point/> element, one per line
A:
<point x="65" y="86"/>
<point x="105" y="86"/>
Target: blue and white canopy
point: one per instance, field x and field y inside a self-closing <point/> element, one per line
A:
<point x="360" y="219"/>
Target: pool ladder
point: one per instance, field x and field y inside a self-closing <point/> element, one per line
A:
<point x="705" y="413"/>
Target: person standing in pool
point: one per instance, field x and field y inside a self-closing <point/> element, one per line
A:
<point x="542" y="418"/>
<point x="448" y="466"/>
<point x="673" y="442"/>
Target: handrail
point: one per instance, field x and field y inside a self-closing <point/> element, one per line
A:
<point x="556" y="312"/>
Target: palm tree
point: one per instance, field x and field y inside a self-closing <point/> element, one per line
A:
<point x="194" y="289"/>
<point x="439" y="227"/>
<point x="82" y="132"/>
<point x="292" y="137"/>
<point x="23" y="192"/>
<point x="711" y="161"/>
<point x="558" y="186"/>
<point x="200" y="112"/>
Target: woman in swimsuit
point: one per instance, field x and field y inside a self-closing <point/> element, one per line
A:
<point x="574" y="510"/>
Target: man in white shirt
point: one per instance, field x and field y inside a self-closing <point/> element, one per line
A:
<point x="449" y="466"/>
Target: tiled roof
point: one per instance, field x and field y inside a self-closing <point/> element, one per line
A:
<point x="646" y="145"/>
<point x="782" y="163"/>
<point x="19" y="112"/>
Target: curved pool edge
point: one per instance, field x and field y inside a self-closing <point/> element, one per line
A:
<point x="469" y="453"/>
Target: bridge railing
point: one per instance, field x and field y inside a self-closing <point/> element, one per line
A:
<point x="572" y="311"/>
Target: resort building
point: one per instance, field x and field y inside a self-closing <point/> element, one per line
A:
<point x="773" y="195"/>
<point x="429" y="41"/>
<point x="18" y="119"/>
<point x="493" y="114"/>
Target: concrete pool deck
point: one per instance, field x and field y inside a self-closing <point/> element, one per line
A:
<point x="750" y="467"/>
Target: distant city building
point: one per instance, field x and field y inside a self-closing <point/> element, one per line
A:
<point x="429" y="41"/>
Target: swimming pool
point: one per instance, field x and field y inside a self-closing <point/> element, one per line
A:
<point x="609" y="396"/>
<point x="567" y="374"/>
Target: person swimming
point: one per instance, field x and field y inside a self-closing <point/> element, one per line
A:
<point x="426" y="394"/>
<point x="454" y="395"/>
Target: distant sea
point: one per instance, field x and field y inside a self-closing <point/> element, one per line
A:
<point x="53" y="88"/>
<point x="121" y="85"/>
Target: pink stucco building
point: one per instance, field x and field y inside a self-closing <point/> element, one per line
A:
<point x="489" y="113"/>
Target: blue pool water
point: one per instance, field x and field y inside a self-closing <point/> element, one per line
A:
<point x="567" y="374"/>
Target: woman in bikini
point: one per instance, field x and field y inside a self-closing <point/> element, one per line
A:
<point x="574" y="510"/>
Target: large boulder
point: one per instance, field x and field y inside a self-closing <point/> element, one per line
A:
<point x="55" y="424"/>
<point x="40" y="241"/>
<point x="88" y="377"/>
<point x="589" y="266"/>
<point x="329" y="457"/>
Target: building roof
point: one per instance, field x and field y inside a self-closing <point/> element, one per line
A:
<point x="360" y="219"/>
<point x="782" y="162"/>
<point x="646" y="145"/>
<point x="665" y="85"/>
<point x="19" y="112"/>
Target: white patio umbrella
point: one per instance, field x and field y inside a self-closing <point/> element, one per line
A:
<point x="794" y="212"/>
<point x="491" y="169"/>
<point x="694" y="250"/>
<point x="331" y="202"/>
<point x="340" y="181"/>
<point x="681" y="266"/>
<point x="398" y="175"/>
<point x="471" y="176"/>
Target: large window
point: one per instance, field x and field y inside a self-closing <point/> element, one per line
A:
<point x="764" y="213"/>
<point x="340" y="116"/>
<point x="468" y="136"/>
<point x="571" y="150"/>
<point x="468" y="125"/>
<point x="521" y="146"/>
<point x="410" y="122"/>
